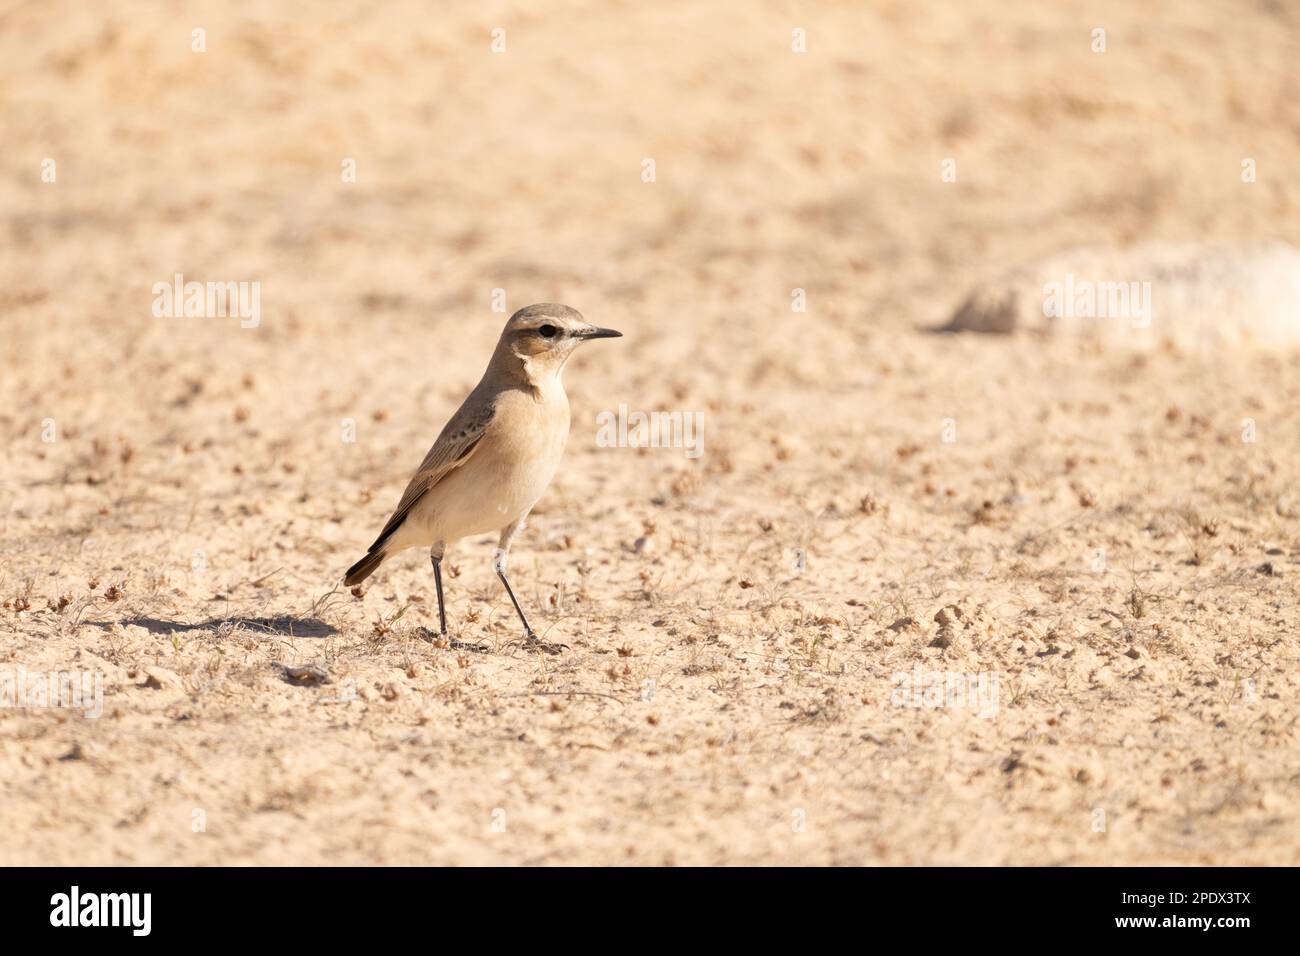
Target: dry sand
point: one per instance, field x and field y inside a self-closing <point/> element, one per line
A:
<point x="1092" y="530"/>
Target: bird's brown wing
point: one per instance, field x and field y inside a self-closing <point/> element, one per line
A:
<point x="453" y="448"/>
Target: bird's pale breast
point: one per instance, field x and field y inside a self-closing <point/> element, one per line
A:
<point x="508" y="471"/>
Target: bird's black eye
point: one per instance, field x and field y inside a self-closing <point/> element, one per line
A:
<point x="547" y="331"/>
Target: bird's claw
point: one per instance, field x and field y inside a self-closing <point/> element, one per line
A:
<point x="534" y="643"/>
<point x="444" y="641"/>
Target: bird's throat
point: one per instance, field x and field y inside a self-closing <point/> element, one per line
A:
<point x="544" y="378"/>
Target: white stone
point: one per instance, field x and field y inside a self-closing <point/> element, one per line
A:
<point x="1193" y="296"/>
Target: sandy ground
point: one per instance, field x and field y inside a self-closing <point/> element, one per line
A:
<point x="1106" y="540"/>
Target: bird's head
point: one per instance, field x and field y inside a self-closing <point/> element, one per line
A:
<point x="539" y="339"/>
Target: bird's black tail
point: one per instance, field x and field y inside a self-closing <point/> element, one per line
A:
<point x="364" y="568"/>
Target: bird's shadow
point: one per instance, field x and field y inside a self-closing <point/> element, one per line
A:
<point x="283" y="626"/>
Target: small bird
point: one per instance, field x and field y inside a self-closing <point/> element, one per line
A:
<point x="496" y="456"/>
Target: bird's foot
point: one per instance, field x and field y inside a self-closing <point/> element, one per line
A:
<point x="438" y="639"/>
<point x="477" y="648"/>
<point x="532" y="642"/>
<point x="444" y="641"/>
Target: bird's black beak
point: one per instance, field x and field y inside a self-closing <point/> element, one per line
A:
<point x="600" y="334"/>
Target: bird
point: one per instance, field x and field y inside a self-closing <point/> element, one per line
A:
<point x="495" y="457"/>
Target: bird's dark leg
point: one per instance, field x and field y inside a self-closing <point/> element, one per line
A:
<point x="499" y="565"/>
<point x="436" y="558"/>
<point x="528" y="631"/>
